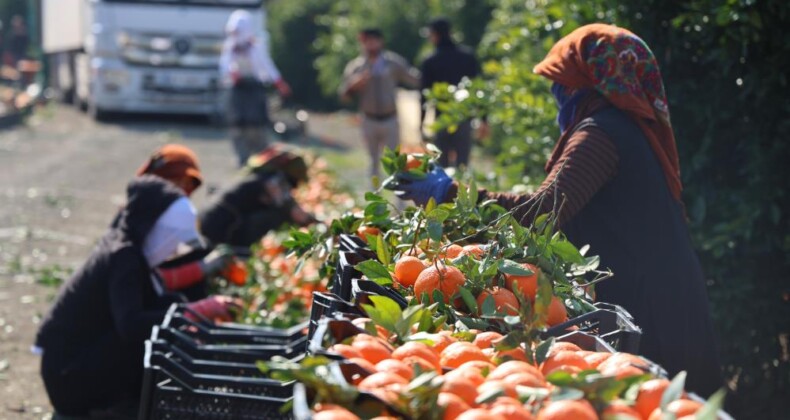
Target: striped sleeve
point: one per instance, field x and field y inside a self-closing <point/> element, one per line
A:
<point x="587" y="163"/>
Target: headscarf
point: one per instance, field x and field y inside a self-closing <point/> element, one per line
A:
<point x="239" y="30"/>
<point x="171" y="162"/>
<point x="619" y="66"/>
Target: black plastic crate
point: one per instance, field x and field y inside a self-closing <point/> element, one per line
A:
<point x="202" y="329"/>
<point x="172" y="393"/>
<point x="345" y="273"/>
<point x="335" y="329"/>
<point x="209" y="367"/>
<point x="353" y="243"/>
<point x="242" y="353"/>
<point x="610" y="322"/>
<point x="361" y="290"/>
<point x="327" y="304"/>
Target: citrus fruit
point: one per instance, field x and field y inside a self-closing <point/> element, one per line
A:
<point x="346" y="351"/>
<point x="557" y="313"/>
<point x="567" y="410"/>
<point x="563" y="359"/>
<point x="473" y="250"/>
<point x="526" y="285"/>
<point x="679" y="408"/>
<point x="451" y="251"/>
<point x="418" y="349"/>
<point x="371" y="350"/>
<point x="620" y="411"/>
<point x="504" y="301"/>
<point x="514" y="366"/>
<point x="472" y="375"/>
<point x="462" y="387"/>
<point x="335" y="414"/>
<point x="525" y="379"/>
<point x="479" y="414"/>
<point x="395" y="366"/>
<point x="484" y="340"/>
<point x="510" y="411"/>
<point x="407" y="269"/>
<point x="563" y="345"/>
<point x="412" y="162"/>
<point x="452" y="404"/>
<point x="595" y="359"/>
<point x="461" y="352"/>
<point x="381" y="380"/>
<point x="512" y="354"/>
<point x="501" y="387"/>
<point x="417" y="361"/>
<point x="365" y="230"/>
<point x="446" y="279"/>
<point x="649" y="397"/>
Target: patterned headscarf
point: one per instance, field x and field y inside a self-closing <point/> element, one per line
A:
<point x="620" y="66"/>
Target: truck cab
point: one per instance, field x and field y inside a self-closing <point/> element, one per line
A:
<point x="157" y="56"/>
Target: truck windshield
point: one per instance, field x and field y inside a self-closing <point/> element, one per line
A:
<point x="220" y="3"/>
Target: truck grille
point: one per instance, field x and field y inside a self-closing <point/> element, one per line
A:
<point x="167" y="50"/>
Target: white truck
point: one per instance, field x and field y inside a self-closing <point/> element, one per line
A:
<point x="158" y="56"/>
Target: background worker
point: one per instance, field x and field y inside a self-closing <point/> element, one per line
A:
<point x="373" y="78"/>
<point x="449" y="63"/>
<point x="259" y="202"/>
<point x="245" y="67"/>
<point x="616" y="168"/>
<point x="91" y="340"/>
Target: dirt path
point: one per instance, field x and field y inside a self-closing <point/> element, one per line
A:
<point x="62" y="177"/>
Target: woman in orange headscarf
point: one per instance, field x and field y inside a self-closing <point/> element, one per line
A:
<point x="615" y="169"/>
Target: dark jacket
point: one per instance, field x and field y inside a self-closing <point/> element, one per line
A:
<point x="450" y="63"/>
<point x="244" y="213"/>
<point x="639" y="230"/>
<point x="112" y="293"/>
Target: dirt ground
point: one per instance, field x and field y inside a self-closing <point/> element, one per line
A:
<point x="63" y="176"/>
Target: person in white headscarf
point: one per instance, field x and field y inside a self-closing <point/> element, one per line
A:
<point x="245" y="69"/>
<point x="92" y="339"/>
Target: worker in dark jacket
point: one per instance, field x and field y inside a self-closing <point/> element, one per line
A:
<point x="92" y="338"/>
<point x="450" y="63"/>
<point x="260" y="202"/>
<point x="616" y="168"/>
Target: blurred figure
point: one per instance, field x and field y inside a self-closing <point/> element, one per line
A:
<point x="260" y="202"/>
<point x="450" y="63"/>
<point x="18" y="39"/>
<point x="245" y="66"/>
<point x="178" y="164"/>
<point x="91" y="340"/>
<point x="373" y="78"/>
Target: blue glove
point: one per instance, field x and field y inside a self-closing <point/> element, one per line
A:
<point x="434" y="185"/>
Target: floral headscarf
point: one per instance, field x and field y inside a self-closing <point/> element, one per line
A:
<point x="619" y="66"/>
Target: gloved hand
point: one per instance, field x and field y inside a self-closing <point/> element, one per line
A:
<point x="215" y="308"/>
<point x="434" y="185"/>
<point x="215" y="262"/>
<point x="283" y="88"/>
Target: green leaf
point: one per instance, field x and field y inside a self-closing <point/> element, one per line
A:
<point x="542" y="350"/>
<point x="489" y="306"/>
<point x="375" y="271"/>
<point x="469" y="300"/>
<point x="513" y="268"/>
<point x="434" y="229"/>
<point x="710" y="410"/>
<point x="566" y="251"/>
<point x="675" y="389"/>
<point x="383" y="251"/>
<point x="490" y="395"/>
<point x="567" y="394"/>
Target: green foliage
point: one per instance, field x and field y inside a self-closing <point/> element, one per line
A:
<point x="724" y="65"/>
<point x="312" y="40"/>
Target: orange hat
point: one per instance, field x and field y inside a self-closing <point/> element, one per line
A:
<point x="172" y="162"/>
